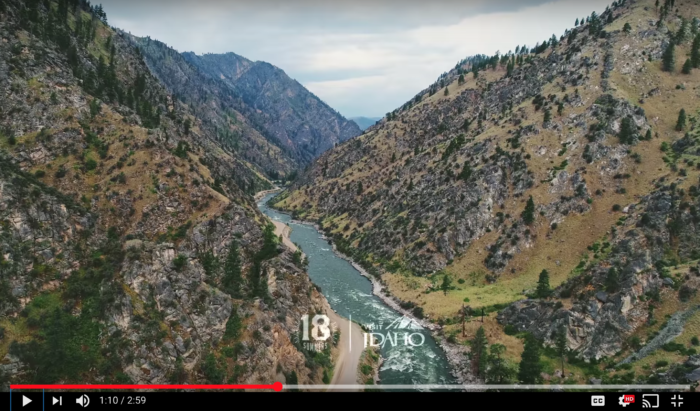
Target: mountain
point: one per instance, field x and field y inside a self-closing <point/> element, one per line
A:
<point x="130" y="249"/>
<point x="217" y="106"/>
<point x="570" y="165"/>
<point x="365" y="122"/>
<point x="295" y="117"/>
<point x="270" y="119"/>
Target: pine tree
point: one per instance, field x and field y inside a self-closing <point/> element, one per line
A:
<point x="293" y="380"/>
<point x="530" y="368"/>
<point x="547" y="116"/>
<point x="576" y="23"/>
<point x="478" y="350"/>
<point x="254" y="278"/>
<point x="627" y="131"/>
<point x="359" y="185"/>
<point x="647" y="136"/>
<point x="680" y="125"/>
<point x="498" y="372"/>
<point x="233" y="325"/>
<point x="627" y="28"/>
<point x="460" y="80"/>
<point x="466" y="172"/>
<point x="695" y="52"/>
<point x="612" y="280"/>
<point x="561" y="346"/>
<point x="681" y="34"/>
<point x="232" y="278"/>
<point x="447" y="92"/>
<point x="446" y="283"/>
<point x="687" y="67"/>
<point x="560" y="108"/>
<point x="669" y="58"/>
<point x="528" y="214"/>
<point x="543" y="288"/>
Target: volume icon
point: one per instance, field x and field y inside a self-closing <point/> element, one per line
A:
<point x="83" y="401"/>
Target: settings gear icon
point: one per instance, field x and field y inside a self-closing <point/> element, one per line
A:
<point x="623" y="402"/>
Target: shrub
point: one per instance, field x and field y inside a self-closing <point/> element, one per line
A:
<point x="418" y="312"/>
<point x="673" y="346"/>
<point x="635" y="343"/>
<point x="179" y="262"/>
<point x="90" y="164"/>
<point x="617" y="207"/>
<point x="695" y="341"/>
<point x="61" y="172"/>
<point x="212" y="371"/>
<point x="685" y="293"/>
<point x="510" y="329"/>
<point x="661" y="363"/>
<point x="39" y="173"/>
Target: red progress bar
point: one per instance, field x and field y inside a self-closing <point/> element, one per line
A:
<point x="277" y="386"/>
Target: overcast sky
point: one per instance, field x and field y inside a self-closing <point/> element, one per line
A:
<point x="362" y="57"/>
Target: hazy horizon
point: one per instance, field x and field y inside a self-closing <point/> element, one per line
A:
<point x="362" y="58"/>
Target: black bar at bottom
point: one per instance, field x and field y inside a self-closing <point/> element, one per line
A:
<point x="36" y="400"/>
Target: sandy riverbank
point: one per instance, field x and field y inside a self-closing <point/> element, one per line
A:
<point x="282" y="229"/>
<point x="350" y="347"/>
<point x="351" y="343"/>
<point x="260" y="194"/>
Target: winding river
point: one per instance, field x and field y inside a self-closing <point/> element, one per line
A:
<point x="350" y="295"/>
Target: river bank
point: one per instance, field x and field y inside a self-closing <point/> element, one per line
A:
<point x="260" y="194"/>
<point x="349" y="348"/>
<point x="456" y="354"/>
<point x="436" y="362"/>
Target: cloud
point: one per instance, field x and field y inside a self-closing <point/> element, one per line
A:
<point x="364" y="57"/>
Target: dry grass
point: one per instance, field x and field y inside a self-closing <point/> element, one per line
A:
<point x="558" y="251"/>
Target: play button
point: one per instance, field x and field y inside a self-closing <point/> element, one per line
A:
<point x="25" y="401"/>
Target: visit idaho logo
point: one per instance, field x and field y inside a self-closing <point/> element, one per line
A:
<point x="398" y="332"/>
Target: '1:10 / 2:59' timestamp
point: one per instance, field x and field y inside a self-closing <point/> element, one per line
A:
<point x="122" y="400"/>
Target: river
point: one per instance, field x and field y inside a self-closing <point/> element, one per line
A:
<point x="420" y="361"/>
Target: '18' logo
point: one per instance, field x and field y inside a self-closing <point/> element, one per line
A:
<point x="320" y="330"/>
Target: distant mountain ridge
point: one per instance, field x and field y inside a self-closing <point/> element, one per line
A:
<point x="297" y="118"/>
<point x="255" y="108"/>
<point x="365" y="122"/>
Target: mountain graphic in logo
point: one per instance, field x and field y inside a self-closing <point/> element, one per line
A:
<point x="404" y="323"/>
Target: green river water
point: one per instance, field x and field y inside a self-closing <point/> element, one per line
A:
<point x="350" y="295"/>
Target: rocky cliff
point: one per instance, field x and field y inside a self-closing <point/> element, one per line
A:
<point x="573" y="157"/>
<point x="129" y="251"/>
<point x="252" y="108"/>
<point x="279" y="105"/>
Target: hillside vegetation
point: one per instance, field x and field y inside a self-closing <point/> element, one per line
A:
<point x="555" y="185"/>
<point x="130" y="251"/>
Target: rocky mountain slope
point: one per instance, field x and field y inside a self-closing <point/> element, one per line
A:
<point x="281" y="106"/>
<point x="261" y="113"/>
<point x="567" y="157"/>
<point x="129" y="250"/>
